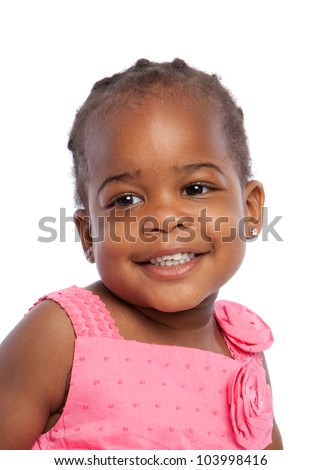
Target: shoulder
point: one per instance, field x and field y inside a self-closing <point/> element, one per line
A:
<point x="244" y="328"/>
<point x="41" y="344"/>
<point x="46" y="327"/>
<point x="35" y="361"/>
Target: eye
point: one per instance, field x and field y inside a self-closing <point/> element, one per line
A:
<point x="125" y="200"/>
<point x="197" y="189"/>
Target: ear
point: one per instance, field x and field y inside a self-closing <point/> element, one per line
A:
<point x="83" y="224"/>
<point x="254" y="204"/>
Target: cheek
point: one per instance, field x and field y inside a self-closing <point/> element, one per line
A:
<point x="116" y="228"/>
<point x="221" y="228"/>
<point x="227" y="237"/>
<point x="111" y="260"/>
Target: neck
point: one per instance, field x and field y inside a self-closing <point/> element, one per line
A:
<point x="191" y="328"/>
<point x="185" y="321"/>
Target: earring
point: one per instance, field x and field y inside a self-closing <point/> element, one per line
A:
<point x="254" y="232"/>
<point x="90" y="255"/>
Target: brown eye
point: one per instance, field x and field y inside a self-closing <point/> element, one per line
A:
<point x="196" y="189"/>
<point x="125" y="200"/>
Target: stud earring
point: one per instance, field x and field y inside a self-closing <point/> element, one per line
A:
<point x="254" y="232"/>
<point x="89" y="255"/>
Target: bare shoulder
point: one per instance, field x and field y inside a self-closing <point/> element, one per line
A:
<point x="35" y="362"/>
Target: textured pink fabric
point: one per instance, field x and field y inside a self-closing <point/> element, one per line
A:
<point x="132" y="395"/>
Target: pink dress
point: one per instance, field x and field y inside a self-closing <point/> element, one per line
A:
<point x="125" y="394"/>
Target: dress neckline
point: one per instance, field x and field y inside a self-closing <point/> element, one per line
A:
<point x="116" y="333"/>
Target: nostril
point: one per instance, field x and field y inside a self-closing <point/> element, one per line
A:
<point x="149" y="225"/>
<point x="152" y="224"/>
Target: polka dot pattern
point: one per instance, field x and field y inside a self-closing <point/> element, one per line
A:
<point x="131" y="395"/>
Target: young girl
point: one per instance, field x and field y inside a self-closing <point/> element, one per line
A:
<point x="146" y="358"/>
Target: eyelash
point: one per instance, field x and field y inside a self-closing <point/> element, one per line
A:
<point x="201" y="184"/>
<point x="114" y="202"/>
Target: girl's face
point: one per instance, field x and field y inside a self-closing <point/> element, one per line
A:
<point x="165" y="203"/>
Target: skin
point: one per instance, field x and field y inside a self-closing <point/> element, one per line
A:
<point x="169" y="162"/>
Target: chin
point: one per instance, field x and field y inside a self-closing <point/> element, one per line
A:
<point x="173" y="305"/>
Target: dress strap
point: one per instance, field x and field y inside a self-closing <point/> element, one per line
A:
<point x="246" y="334"/>
<point x="86" y="311"/>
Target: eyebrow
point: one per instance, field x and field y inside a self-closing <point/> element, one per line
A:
<point x="197" y="166"/>
<point x="178" y="168"/>
<point x="118" y="177"/>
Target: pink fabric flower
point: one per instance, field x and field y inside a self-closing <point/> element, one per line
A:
<point x="250" y="401"/>
<point x="242" y="327"/>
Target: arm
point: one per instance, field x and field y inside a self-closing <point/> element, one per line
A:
<point x="276" y="443"/>
<point x="35" y="361"/>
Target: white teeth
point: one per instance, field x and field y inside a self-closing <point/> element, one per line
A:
<point x="178" y="256"/>
<point x="172" y="260"/>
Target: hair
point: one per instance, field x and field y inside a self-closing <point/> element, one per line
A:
<point x="141" y="79"/>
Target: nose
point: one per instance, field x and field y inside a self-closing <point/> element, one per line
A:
<point x="167" y="224"/>
<point x="166" y="218"/>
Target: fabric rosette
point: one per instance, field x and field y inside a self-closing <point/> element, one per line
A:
<point x="242" y="327"/>
<point x="251" y="412"/>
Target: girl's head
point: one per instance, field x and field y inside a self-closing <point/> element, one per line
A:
<point x="123" y="90"/>
<point x="162" y="174"/>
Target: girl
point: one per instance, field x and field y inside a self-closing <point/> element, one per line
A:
<point x="146" y="358"/>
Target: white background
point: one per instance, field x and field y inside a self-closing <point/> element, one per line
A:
<point x="268" y="54"/>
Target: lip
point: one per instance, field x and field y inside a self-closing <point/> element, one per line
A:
<point x="171" y="272"/>
<point x="173" y="251"/>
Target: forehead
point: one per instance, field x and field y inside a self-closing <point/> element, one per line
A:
<point x="154" y="133"/>
<point x="160" y="126"/>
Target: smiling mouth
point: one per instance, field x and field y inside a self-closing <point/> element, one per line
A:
<point x="172" y="260"/>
